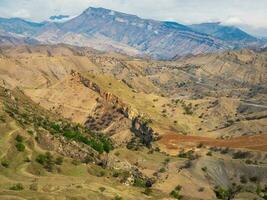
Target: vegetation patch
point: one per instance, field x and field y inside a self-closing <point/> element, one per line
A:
<point x="48" y="161"/>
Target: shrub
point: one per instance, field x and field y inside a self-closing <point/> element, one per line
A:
<point x="5" y="164"/>
<point x="102" y="173"/>
<point x="59" y="160"/>
<point x="17" y="187"/>
<point x="188" y="164"/>
<point x="147" y="191"/>
<point x="19" y="138"/>
<point x="243" y="179"/>
<point x="204" y="169"/>
<point x="209" y="153"/>
<point x="117" y="153"/>
<point x="166" y="161"/>
<point x="249" y="162"/>
<point x="75" y="162"/>
<point x="188" y="109"/>
<point x="102" y="189"/>
<point x="46" y="160"/>
<point x="115" y="174"/>
<point x="253" y="179"/>
<point x="34" y="187"/>
<point x="139" y="182"/>
<point x="117" y="197"/>
<point x="222" y="193"/>
<point x="162" y="170"/>
<point x="2" y="118"/>
<point x="175" y="194"/>
<point x="178" y="187"/>
<point x="240" y="155"/>
<point x="225" y="150"/>
<point x="20" y="147"/>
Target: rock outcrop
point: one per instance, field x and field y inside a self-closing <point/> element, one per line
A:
<point x="139" y="125"/>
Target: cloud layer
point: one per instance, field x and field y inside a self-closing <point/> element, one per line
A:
<point x="244" y="13"/>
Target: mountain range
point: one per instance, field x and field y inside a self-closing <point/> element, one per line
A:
<point x="83" y="120"/>
<point x="106" y="30"/>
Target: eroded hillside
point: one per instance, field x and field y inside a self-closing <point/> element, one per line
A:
<point x="192" y="127"/>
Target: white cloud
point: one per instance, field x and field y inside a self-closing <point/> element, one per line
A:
<point x="22" y="13"/>
<point x="233" y="21"/>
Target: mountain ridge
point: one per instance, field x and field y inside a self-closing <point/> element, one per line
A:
<point x="109" y="30"/>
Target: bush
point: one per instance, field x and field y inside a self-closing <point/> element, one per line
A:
<point x="59" y="160"/>
<point x="204" y="169"/>
<point x="225" y="150"/>
<point x="243" y="179"/>
<point x="209" y="153"/>
<point x="162" y="170"/>
<point x="20" y="147"/>
<point x="222" y="193"/>
<point x="147" y="191"/>
<point x="175" y="194"/>
<point x="253" y="179"/>
<point x="19" y="138"/>
<point x="249" y="162"/>
<point x="17" y="187"/>
<point x="117" y="197"/>
<point x="178" y="187"/>
<point x="5" y="164"/>
<point x="34" y="187"/>
<point x="139" y="182"/>
<point x="46" y="160"/>
<point x="228" y="193"/>
<point x="102" y="189"/>
<point x="188" y="164"/>
<point x="166" y="161"/>
<point x="75" y="162"/>
<point x="240" y="155"/>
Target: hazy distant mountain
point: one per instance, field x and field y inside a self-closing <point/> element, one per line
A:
<point x="155" y="38"/>
<point x="107" y="30"/>
<point x="19" y="26"/>
<point x="14" y="39"/>
<point x="229" y="34"/>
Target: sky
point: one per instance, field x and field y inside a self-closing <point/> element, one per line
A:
<point x="250" y="15"/>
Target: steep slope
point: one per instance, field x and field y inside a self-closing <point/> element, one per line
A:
<point x="174" y="96"/>
<point x="40" y="159"/>
<point x="45" y="156"/>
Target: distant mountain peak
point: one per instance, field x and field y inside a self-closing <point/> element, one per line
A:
<point x="99" y="11"/>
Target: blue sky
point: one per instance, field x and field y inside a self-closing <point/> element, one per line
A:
<point x="250" y="15"/>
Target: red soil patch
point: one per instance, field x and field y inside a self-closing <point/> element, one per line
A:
<point x="174" y="141"/>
